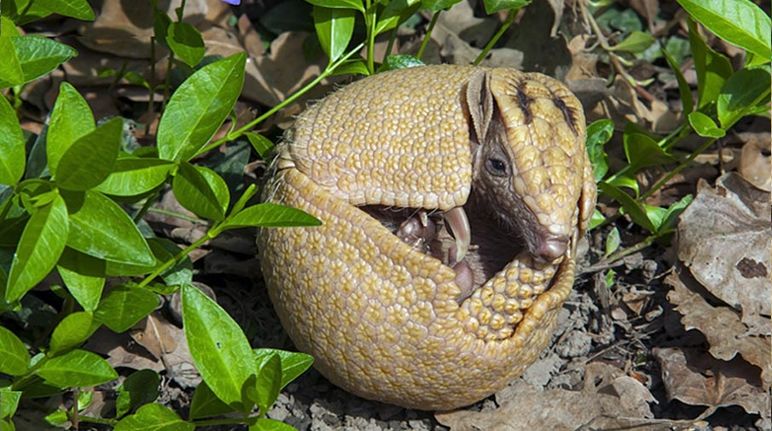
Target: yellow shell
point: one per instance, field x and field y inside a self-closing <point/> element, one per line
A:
<point x="381" y="318"/>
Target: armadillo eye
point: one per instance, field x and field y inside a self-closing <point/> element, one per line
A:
<point x="497" y="167"/>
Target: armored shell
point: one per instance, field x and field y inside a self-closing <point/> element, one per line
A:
<point x="383" y="319"/>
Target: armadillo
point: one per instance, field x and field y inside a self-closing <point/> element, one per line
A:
<point x="452" y="199"/>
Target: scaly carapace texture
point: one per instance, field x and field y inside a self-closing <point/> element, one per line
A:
<point x="452" y="198"/>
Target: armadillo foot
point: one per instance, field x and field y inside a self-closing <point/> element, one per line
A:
<point x="458" y="223"/>
<point x="464" y="279"/>
<point x="417" y="230"/>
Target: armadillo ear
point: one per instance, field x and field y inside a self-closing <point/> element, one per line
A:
<point x="480" y="103"/>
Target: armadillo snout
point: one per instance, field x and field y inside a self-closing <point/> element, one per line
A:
<point x="551" y="247"/>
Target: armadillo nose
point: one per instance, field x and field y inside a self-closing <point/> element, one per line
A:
<point x="551" y="248"/>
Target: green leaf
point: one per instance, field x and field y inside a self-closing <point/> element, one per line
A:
<point x="30" y="57"/>
<point x="598" y="134"/>
<point x="339" y="4"/>
<point x="182" y="271"/>
<point x="260" y="143"/>
<point x="198" y="108"/>
<point x="41" y="244"/>
<point x="9" y="402"/>
<point x="71" y="119"/>
<point x="704" y="125"/>
<point x="712" y="68"/>
<point x="267" y="215"/>
<point x="57" y="418"/>
<point x="671" y="215"/>
<point x="610" y="278"/>
<point x="625" y="181"/>
<point x="124" y="306"/>
<point x="394" y="62"/>
<point x="206" y="404"/>
<point x="74" y="329"/>
<point x="185" y="42"/>
<point x="438" y="5"/>
<point x="683" y="87"/>
<point x="352" y="67"/>
<point x="7" y="424"/>
<point x="141" y="387"/>
<point x="596" y="219"/>
<point x="293" y="364"/>
<point x="635" y="43"/>
<point x="100" y="228"/>
<point x="244" y="199"/>
<point x="739" y="22"/>
<point x="14" y="359"/>
<point x="642" y="151"/>
<point x="265" y="424"/>
<point x="11" y="145"/>
<point x="201" y="191"/>
<point x="268" y="383"/>
<point x="493" y="6"/>
<point x="153" y="417"/>
<point x="78" y="9"/>
<point x="89" y="160"/>
<point x="219" y="348"/>
<point x="135" y="176"/>
<point x="743" y="91"/>
<point x="84" y="277"/>
<point x="10" y="69"/>
<point x="631" y="207"/>
<point x="77" y="368"/>
<point x="613" y="241"/>
<point x="395" y="12"/>
<point x="334" y="28"/>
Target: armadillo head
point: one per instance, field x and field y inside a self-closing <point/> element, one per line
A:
<point x="528" y="144"/>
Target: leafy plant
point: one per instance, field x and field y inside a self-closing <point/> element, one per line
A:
<point x="724" y="97"/>
<point x="76" y="214"/>
<point x="72" y="199"/>
<point x="73" y="203"/>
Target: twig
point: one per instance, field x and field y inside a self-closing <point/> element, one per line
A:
<point x="508" y="22"/>
<point x="428" y="35"/>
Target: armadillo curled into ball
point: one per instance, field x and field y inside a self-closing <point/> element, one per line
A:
<point x="452" y="199"/>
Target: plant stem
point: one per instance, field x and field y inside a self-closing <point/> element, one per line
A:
<point x="179" y="256"/>
<point x="146" y="206"/>
<point x="613" y="258"/>
<point x="428" y="35"/>
<point x="681" y="166"/>
<point x="390" y="45"/>
<point x="151" y="98"/>
<point x="508" y="22"/>
<point x="239" y="132"/>
<point x="93" y="420"/>
<point x="371" y="39"/>
<point x="225" y="421"/>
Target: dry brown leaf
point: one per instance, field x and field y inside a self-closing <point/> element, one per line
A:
<point x="696" y="378"/>
<point x="724" y="238"/>
<point x="608" y="394"/>
<point x="557" y="8"/>
<point x="648" y="9"/>
<point x="755" y="161"/>
<point x="122" y="351"/>
<point x="159" y="337"/>
<point x="283" y="71"/>
<point x="461" y="22"/>
<point x="124" y="28"/>
<point x="249" y="36"/>
<point x="583" y="62"/>
<point x="721" y="326"/>
<point x="623" y="104"/>
<point x="168" y="340"/>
